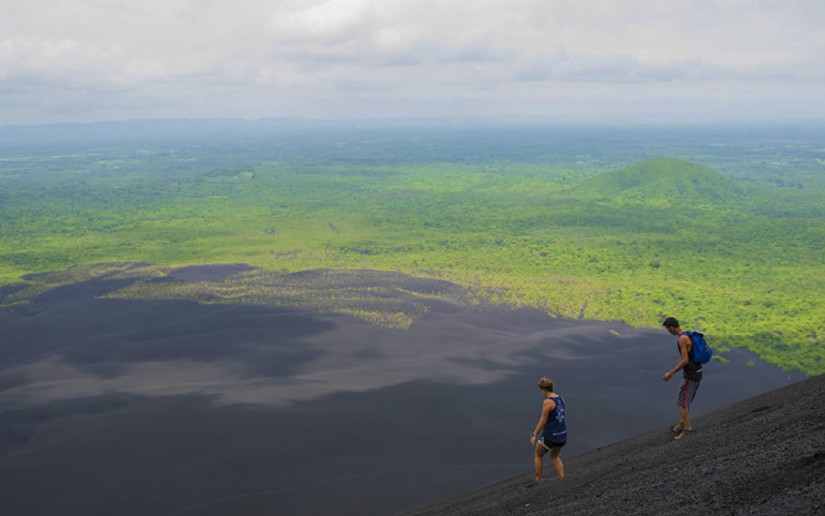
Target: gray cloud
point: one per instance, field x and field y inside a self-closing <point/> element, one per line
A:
<point x="621" y="69"/>
<point x="210" y="58"/>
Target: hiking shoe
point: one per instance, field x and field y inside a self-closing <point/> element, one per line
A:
<point x="677" y="428"/>
<point x="684" y="433"/>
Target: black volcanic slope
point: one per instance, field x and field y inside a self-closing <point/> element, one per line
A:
<point x="765" y="455"/>
<point x="131" y="406"/>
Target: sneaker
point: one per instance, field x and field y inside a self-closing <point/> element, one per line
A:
<point x="677" y="428"/>
<point x="684" y="433"/>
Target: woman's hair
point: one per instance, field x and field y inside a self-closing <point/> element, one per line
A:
<point x="546" y="384"/>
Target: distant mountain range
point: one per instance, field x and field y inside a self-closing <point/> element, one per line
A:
<point x="151" y="129"/>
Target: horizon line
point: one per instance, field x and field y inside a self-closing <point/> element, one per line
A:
<point x="539" y="120"/>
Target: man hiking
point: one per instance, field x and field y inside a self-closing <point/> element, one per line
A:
<point x="691" y="377"/>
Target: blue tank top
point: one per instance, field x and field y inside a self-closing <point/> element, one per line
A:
<point x="555" y="430"/>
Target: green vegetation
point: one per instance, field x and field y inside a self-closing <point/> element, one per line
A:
<point x="585" y="226"/>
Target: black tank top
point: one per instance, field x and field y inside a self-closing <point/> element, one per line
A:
<point x="692" y="371"/>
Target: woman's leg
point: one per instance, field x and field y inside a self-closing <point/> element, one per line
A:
<point x="540" y="451"/>
<point x="557" y="463"/>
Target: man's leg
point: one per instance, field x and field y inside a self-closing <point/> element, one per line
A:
<point x="687" y="390"/>
<point x="685" y="413"/>
<point x="686" y="424"/>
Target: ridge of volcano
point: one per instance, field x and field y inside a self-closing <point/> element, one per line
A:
<point x="764" y="455"/>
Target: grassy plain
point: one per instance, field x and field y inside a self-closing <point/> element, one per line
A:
<point x="728" y="233"/>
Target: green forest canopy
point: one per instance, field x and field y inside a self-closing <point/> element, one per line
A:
<point x="738" y="255"/>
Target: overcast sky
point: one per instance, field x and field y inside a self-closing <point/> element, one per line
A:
<point x="666" y="60"/>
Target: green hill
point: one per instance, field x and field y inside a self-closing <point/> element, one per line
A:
<point x="661" y="178"/>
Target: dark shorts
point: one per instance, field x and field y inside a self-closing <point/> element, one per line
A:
<point x="687" y="391"/>
<point x="550" y="444"/>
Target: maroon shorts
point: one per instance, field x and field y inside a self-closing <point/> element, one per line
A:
<point x="687" y="391"/>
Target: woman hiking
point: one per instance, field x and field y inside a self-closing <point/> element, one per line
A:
<point x="551" y="431"/>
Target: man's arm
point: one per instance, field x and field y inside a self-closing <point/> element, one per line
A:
<point x="684" y="342"/>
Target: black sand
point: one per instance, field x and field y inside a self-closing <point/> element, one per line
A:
<point x="763" y="456"/>
<point x="167" y="408"/>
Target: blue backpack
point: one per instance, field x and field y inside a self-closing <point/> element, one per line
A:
<point x="699" y="349"/>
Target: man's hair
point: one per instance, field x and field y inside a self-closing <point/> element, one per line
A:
<point x="671" y="322"/>
<point x="546" y="384"/>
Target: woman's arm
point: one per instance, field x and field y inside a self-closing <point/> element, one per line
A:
<point x="546" y="408"/>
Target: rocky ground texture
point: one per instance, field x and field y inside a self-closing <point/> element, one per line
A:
<point x="764" y="456"/>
